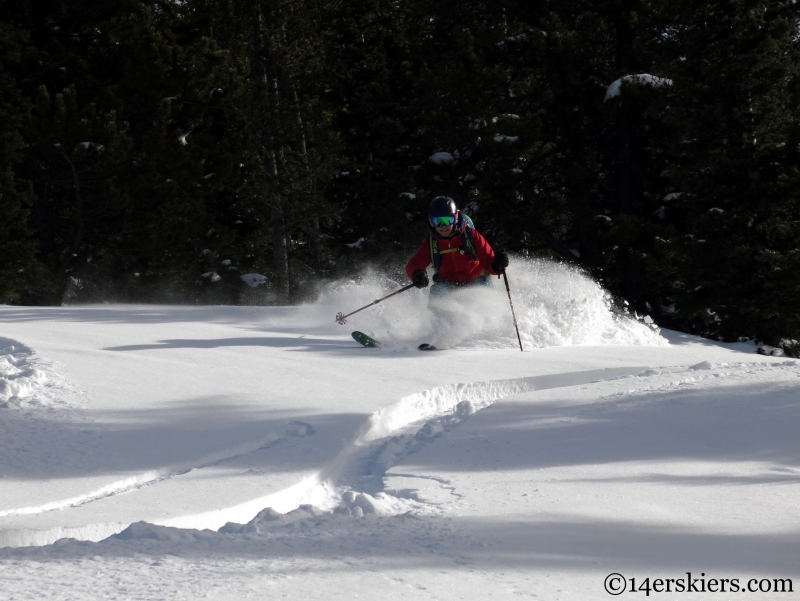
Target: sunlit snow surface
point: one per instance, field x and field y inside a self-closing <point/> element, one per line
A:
<point x="250" y="452"/>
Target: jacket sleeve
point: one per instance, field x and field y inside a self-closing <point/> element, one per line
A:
<point x="484" y="251"/>
<point x="420" y="260"/>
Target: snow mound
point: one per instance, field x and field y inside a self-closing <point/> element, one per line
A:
<point x="555" y="305"/>
<point x="18" y="380"/>
<point x="269" y="518"/>
<point x="146" y="531"/>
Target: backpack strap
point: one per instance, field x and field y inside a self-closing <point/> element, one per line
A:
<point x="466" y="237"/>
<point x="436" y="254"/>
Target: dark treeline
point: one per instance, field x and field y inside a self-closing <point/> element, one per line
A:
<point x="157" y="151"/>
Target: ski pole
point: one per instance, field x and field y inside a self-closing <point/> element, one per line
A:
<point x="516" y="327"/>
<point x="341" y="318"/>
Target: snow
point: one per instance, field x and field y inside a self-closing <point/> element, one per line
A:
<point x="357" y="244"/>
<point x="441" y="158"/>
<point x="643" y="79"/>
<point x="555" y="306"/>
<point x="254" y="280"/>
<point x="88" y="145"/>
<point x="517" y="38"/>
<point x="18" y="380"/>
<point x="251" y="452"/>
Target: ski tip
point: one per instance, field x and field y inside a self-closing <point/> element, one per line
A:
<point x="427" y="347"/>
<point x="365" y="340"/>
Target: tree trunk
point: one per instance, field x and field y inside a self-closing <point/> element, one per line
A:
<point x="267" y="82"/>
<point x="565" y="78"/>
<point x="622" y="152"/>
<point x="72" y="247"/>
<point x="280" y="257"/>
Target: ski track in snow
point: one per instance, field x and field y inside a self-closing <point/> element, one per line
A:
<point x="352" y="483"/>
<point x="394" y="432"/>
<point x="165" y="473"/>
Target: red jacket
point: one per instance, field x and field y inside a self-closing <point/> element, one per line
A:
<point x="457" y="267"/>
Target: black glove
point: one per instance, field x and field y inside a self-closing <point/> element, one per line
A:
<point x="500" y="262"/>
<point x="420" y="278"/>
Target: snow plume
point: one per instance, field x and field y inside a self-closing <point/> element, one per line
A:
<point x="402" y="318"/>
<point x="556" y="305"/>
<point x="560" y="306"/>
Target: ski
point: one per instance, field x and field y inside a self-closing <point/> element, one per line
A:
<point x="365" y="340"/>
<point x="370" y="342"/>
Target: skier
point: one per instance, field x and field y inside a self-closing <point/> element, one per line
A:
<point x="461" y="256"/>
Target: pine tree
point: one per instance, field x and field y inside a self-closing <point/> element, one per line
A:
<point x="632" y="216"/>
<point x="735" y="165"/>
<point x="373" y="68"/>
<point x="275" y="102"/>
<point x="172" y="90"/>
<point x="19" y="269"/>
<point x="121" y="198"/>
<point x="540" y="162"/>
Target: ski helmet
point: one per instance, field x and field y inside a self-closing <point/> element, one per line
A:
<point x="442" y="206"/>
<point x="442" y="212"/>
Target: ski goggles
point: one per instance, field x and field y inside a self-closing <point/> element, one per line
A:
<point x="442" y="221"/>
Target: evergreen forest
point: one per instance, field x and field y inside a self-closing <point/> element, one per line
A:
<point x="157" y="151"/>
